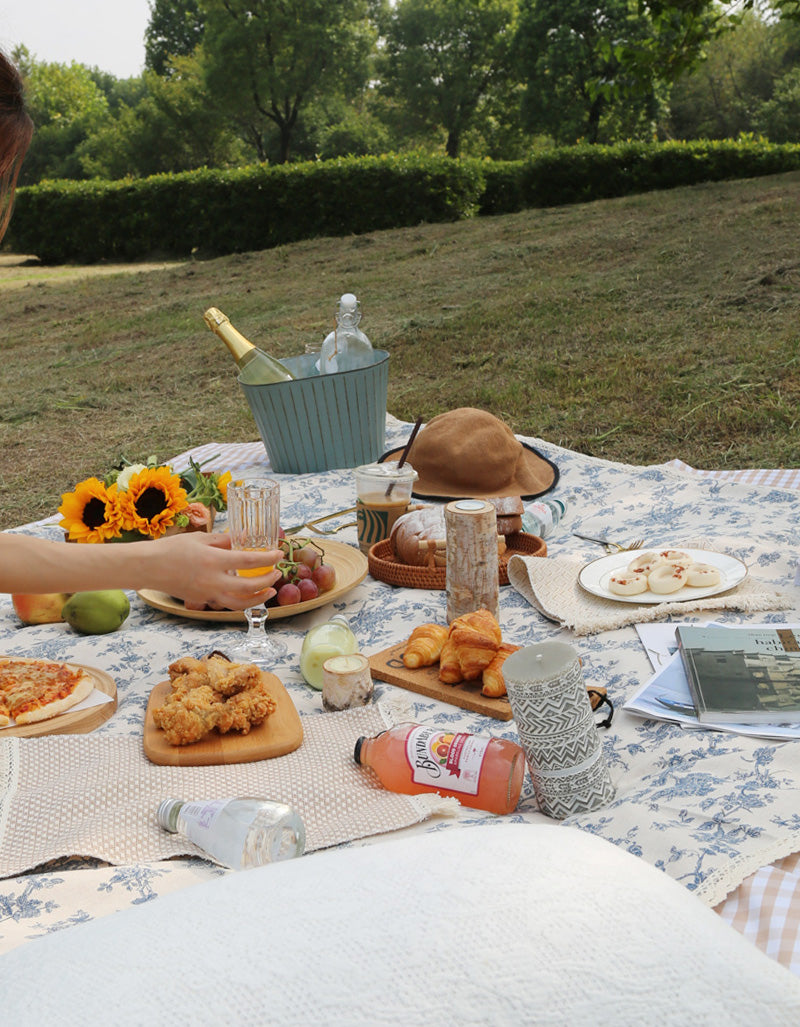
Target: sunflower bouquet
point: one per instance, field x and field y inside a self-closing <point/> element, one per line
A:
<point x="141" y="501"/>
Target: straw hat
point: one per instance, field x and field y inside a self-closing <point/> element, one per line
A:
<point x="469" y="452"/>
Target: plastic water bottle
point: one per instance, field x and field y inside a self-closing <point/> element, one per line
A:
<point x="541" y="518"/>
<point x="346" y="347"/>
<point x="238" y="833"/>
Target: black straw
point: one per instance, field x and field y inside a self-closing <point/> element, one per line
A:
<point x="406" y="450"/>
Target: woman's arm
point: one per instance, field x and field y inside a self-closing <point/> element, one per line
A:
<point x="194" y="566"/>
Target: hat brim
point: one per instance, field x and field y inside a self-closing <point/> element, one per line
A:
<point x="536" y="476"/>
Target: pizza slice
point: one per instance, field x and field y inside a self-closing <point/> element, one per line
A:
<point x="34" y="690"/>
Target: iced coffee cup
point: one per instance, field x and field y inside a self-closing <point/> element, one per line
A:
<point x="383" y="492"/>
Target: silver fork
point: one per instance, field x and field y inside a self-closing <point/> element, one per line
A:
<point x="611" y="547"/>
<point x="312" y="525"/>
<point x="329" y="531"/>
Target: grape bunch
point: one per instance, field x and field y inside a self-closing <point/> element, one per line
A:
<point x="304" y="574"/>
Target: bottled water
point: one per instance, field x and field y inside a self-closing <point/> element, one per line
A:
<point x="346" y="347"/>
<point x="238" y="833"/>
<point x="541" y="518"/>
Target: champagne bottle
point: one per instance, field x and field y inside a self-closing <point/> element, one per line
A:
<point x="255" y="366"/>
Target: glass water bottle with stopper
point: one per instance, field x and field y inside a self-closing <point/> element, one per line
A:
<point x="346" y="348"/>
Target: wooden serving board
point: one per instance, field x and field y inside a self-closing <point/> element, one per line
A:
<point x="387" y="665"/>
<point x="280" y="733"/>
<point x="73" y="722"/>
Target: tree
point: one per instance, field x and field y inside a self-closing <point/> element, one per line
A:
<point x="682" y="31"/>
<point x="443" y="59"/>
<point x="170" y="129"/>
<point x="718" y="99"/>
<point x="66" y="104"/>
<point x="573" y="75"/>
<point x="779" y="117"/>
<point x="267" y="59"/>
<point x="174" y="30"/>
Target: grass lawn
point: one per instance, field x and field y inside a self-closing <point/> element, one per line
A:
<point x="637" y="329"/>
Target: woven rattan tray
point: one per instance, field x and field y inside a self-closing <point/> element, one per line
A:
<point x="384" y="566"/>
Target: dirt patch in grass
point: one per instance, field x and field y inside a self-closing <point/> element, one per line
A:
<point x="21" y="271"/>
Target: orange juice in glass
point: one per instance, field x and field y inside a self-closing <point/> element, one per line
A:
<point x="252" y="572"/>
<point x="254" y="524"/>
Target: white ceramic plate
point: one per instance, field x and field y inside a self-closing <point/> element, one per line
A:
<point x="594" y="576"/>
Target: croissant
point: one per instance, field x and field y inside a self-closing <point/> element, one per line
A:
<point x="494" y="684"/>
<point x="473" y="649"/>
<point x="424" y="645"/>
<point x="482" y="621"/>
<point x="449" y="666"/>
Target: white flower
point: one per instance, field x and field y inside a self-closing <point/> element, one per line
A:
<point x="126" y="474"/>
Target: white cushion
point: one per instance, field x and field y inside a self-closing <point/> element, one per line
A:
<point x="499" y="924"/>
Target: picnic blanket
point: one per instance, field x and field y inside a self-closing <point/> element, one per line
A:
<point x="703" y="807"/>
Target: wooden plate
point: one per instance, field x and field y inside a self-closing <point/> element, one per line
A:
<point x="387" y="665"/>
<point x="280" y="733"/>
<point x="73" y="722"/>
<point x="349" y="563"/>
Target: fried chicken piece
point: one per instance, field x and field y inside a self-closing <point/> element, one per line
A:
<point x="246" y="709"/>
<point x="212" y="693"/>
<point x="222" y="675"/>
<point x="186" y="665"/>
<point x="186" y="717"/>
<point x="230" y="678"/>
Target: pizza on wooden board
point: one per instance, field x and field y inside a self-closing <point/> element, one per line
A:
<point x="33" y="690"/>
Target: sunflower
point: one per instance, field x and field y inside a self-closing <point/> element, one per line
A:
<point x="90" y="513"/>
<point x="223" y="482"/>
<point x="153" y="499"/>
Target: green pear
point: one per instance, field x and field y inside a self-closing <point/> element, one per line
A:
<point x="96" y="613"/>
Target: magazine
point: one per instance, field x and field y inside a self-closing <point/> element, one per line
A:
<point x="666" y="696"/>
<point x="742" y="675"/>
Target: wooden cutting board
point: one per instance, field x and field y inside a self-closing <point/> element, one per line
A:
<point x="387" y="665"/>
<point x="280" y="733"/>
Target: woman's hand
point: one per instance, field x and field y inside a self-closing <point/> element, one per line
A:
<point x="195" y="566"/>
<point x="200" y="568"/>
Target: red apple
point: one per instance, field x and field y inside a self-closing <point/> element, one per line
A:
<point x="40" y="609"/>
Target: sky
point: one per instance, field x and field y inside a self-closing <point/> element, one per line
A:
<point x="107" y="34"/>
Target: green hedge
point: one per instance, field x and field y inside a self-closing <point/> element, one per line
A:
<point x="254" y="208"/>
<point x="576" y="174"/>
<point x="216" y="212"/>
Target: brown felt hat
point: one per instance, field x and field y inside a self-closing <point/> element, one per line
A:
<point x="469" y="452"/>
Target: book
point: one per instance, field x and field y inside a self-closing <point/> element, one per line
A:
<point x="742" y="675"/>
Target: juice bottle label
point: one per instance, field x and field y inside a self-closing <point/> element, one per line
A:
<point x="445" y="760"/>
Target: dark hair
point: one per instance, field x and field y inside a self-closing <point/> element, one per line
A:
<point x="16" y="129"/>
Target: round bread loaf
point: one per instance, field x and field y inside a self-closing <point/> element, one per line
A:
<point x="423" y="525"/>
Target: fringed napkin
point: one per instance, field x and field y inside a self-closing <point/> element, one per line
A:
<point x="551" y="585"/>
<point x="96" y="795"/>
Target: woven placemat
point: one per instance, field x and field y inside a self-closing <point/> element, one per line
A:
<point x="385" y="566"/>
<point x="552" y="587"/>
<point x="89" y="795"/>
